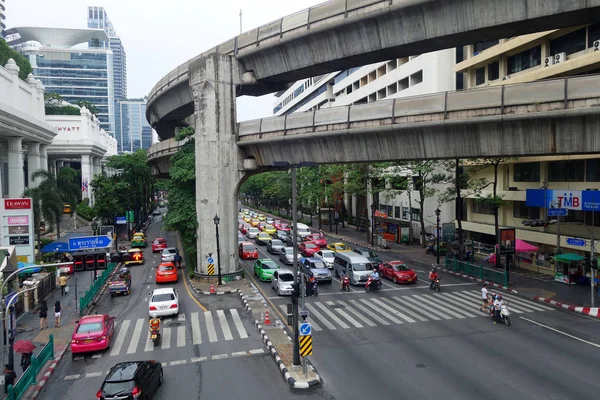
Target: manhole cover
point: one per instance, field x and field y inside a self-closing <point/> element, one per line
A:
<point x="420" y="365"/>
<point x="174" y="324"/>
<point x="337" y="306"/>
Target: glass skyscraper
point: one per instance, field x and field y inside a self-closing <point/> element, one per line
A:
<point x="133" y="130"/>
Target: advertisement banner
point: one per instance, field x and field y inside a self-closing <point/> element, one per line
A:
<point x="18" y="230"/>
<point x="405" y="234"/>
<point x="507" y="241"/>
<point x="584" y="200"/>
<point x="17" y="204"/>
<point x="18" y="220"/>
<point x="448" y="232"/>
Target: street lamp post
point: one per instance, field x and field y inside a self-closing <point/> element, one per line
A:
<point x="372" y="224"/>
<point x="216" y="219"/>
<point x="437" y="234"/>
<point x="94" y="227"/>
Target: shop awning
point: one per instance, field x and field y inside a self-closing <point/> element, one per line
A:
<point x="568" y="257"/>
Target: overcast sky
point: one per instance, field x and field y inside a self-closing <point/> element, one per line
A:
<point x="159" y="35"/>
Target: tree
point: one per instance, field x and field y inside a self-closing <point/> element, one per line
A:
<point x="46" y="203"/>
<point x="55" y="105"/>
<point x="89" y="105"/>
<point x="423" y="173"/>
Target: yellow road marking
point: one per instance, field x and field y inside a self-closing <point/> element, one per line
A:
<point x="189" y="292"/>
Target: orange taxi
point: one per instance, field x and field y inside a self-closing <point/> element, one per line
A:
<point x="166" y="272"/>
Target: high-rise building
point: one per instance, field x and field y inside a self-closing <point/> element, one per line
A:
<point x="98" y="19"/>
<point x="133" y="130"/>
<point x="64" y="67"/>
<point x="2" y="18"/>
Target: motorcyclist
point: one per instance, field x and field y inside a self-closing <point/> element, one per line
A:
<point x="154" y="323"/>
<point x="497" y="307"/>
<point x="433" y="275"/>
<point x="375" y="278"/>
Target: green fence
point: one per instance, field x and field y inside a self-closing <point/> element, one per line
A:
<point x="87" y="298"/>
<point x="28" y="378"/>
<point x="478" y="271"/>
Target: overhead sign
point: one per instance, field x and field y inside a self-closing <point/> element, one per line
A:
<point x="89" y="242"/>
<point x="120" y="220"/>
<point x="576" y="242"/>
<point x="17" y="204"/>
<point x="305" y="329"/>
<point x="557" y="212"/>
<point x="584" y="200"/>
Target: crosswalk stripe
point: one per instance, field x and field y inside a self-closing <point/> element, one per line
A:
<point x="465" y="301"/>
<point x="165" y="340"/>
<point x="467" y="309"/>
<point x="196" y="334"/>
<point x="517" y="306"/>
<point x="181" y="317"/>
<point x="224" y="326"/>
<point x="394" y="311"/>
<point x="438" y="305"/>
<point x="149" y="345"/>
<point x="139" y="325"/>
<point x="398" y="304"/>
<point x="238" y="323"/>
<point x="513" y="308"/>
<point x="528" y="303"/>
<point x="371" y="314"/>
<point x="320" y="317"/>
<point x="424" y="309"/>
<point x="375" y="308"/>
<point x="358" y="315"/>
<point x="210" y="327"/>
<point x="345" y="315"/>
<point x="180" y="336"/>
<point x="120" y="338"/>
<point x="332" y="315"/>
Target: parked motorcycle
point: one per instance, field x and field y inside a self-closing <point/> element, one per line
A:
<point x="435" y="285"/>
<point x="370" y="286"/>
<point x="155" y="337"/>
<point x="345" y="284"/>
<point x="503" y="316"/>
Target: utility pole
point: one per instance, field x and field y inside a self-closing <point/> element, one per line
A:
<point x="295" y="268"/>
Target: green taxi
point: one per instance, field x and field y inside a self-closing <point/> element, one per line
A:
<point x="139" y="240"/>
<point x="264" y="269"/>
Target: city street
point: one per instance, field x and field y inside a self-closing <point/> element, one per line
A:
<point x="406" y="341"/>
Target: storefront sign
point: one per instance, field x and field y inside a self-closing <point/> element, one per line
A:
<point x="18" y="230"/>
<point x="448" y="232"/>
<point x="17" y="204"/>
<point x="584" y="200"/>
<point x="67" y="128"/>
<point x="18" y="220"/>
<point x="507" y="241"/>
<point x="389" y="237"/>
<point x="18" y="240"/>
<point x="381" y="214"/>
<point x="405" y="234"/>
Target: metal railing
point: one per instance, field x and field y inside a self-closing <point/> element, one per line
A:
<point x="86" y="299"/>
<point x="28" y="378"/>
<point x="479" y="271"/>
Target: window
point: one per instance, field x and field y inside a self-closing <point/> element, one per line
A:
<point x="493" y="71"/>
<point x="481" y="46"/>
<point x="416" y="78"/>
<point x="566" y="171"/>
<point x="527" y="172"/>
<point x="416" y="214"/>
<point x="570" y="43"/>
<point x="397" y="212"/>
<point x="405" y="215"/>
<point x="520" y="210"/>
<point x="482" y="208"/>
<point x="574" y="216"/>
<point x="593" y="34"/>
<point x="525" y="60"/>
<point x="592" y="170"/>
<point x="480" y="76"/>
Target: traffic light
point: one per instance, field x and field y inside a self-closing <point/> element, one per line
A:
<point x="78" y="261"/>
<point x="101" y="261"/>
<point x="594" y="263"/>
<point x="296" y="288"/>
<point x="90" y="261"/>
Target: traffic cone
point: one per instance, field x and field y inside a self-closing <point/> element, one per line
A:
<point x="267" y="321"/>
<point x="212" y="288"/>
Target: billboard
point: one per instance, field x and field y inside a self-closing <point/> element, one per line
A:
<point x="16" y="226"/>
<point x="583" y="200"/>
<point x="508" y="238"/>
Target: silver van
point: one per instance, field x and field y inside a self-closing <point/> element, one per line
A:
<point x="358" y="268"/>
<point x="303" y="230"/>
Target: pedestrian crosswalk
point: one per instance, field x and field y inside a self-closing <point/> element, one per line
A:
<point x="372" y="311"/>
<point x="132" y="336"/>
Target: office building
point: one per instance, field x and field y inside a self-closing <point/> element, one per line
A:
<point x="2" y="18"/>
<point x="133" y="130"/>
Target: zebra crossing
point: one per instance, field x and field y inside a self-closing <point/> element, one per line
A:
<point x="131" y="336"/>
<point x="373" y="311"/>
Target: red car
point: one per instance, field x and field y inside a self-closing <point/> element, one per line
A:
<point x="248" y="251"/>
<point x="159" y="244"/>
<point x="308" y="249"/>
<point x="166" y="272"/>
<point x="317" y="238"/>
<point x="244" y="228"/>
<point x="283" y="227"/>
<point x="397" y="271"/>
<point x="261" y="225"/>
<point x="93" y="333"/>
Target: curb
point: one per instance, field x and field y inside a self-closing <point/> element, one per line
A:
<point x="589" y="311"/>
<point x="220" y="292"/>
<point x="38" y="388"/>
<point x="496" y="285"/>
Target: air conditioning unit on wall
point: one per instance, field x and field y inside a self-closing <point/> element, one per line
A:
<point x="596" y="45"/>
<point x="560" y="57"/>
<point x="548" y="61"/>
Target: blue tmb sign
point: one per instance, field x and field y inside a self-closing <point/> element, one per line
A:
<point x="89" y="242"/>
<point x="576" y="242"/>
<point x="557" y="212"/>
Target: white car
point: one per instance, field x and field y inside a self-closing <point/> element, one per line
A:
<point x="269" y="221"/>
<point x="163" y="302"/>
<point x="282" y="281"/>
<point x="168" y="254"/>
<point x="252" y="232"/>
<point x="327" y="256"/>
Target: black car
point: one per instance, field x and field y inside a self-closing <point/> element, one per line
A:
<point x="132" y="380"/>
<point x="289" y="242"/>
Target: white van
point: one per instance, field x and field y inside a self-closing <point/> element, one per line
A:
<point x="358" y="268"/>
<point x="303" y="230"/>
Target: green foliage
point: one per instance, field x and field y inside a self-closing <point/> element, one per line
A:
<point x="53" y="104"/>
<point x="7" y="53"/>
<point x="85" y="211"/>
<point x="89" y="105"/>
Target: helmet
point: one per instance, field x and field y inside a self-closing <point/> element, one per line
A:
<point x="484" y="284"/>
<point x="499" y="297"/>
<point x="433" y="269"/>
<point x="154" y="315"/>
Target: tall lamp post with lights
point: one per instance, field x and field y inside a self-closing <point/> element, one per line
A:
<point x="372" y="224"/>
<point x="94" y="227"/>
<point x="437" y="234"/>
<point x="216" y="220"/>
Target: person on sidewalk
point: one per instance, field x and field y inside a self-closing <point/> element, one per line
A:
<point x="10" y="376"/>
<point x="57" y="311"/>
<point x="62" y="281"/>
<point x="43" y="315"/>
<point x="26" y="361"/>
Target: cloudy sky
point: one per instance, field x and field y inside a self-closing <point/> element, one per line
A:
<point x="158" y="35"/>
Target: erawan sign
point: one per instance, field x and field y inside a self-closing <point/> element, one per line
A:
<point x="16" y="227"/>
<point x="582" y="200"/>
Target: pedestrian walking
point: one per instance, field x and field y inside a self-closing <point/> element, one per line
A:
<point x="57" y="311"/>
<point x="62" y="281"/>
<point x="43" y="314"/>
<point x="26" y="361"/>
<point x="10" y="377"/>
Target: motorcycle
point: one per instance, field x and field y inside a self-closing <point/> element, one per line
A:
<point x="345" y="284"/>
<point x="503" y="316"/>
<point x="369" y="286"/>
<point x="315" y="286"/>
<point x="155" y="337"/>
<point x="435" y="285"/>
<point x="430" y="250"/>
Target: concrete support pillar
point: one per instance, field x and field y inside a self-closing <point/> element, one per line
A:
<point x="86" y="175"/>
<point x="44" y="157"/>
<point x="213" y="80"/>
<point x="16" y="183"/>
<point x="33" y="163"/>
<point x="3" y="170"/>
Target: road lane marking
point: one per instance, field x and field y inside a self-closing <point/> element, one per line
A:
<point x="528" y="303"/>
<point x="180" y="336"/>
<point x="370" y="313"/>
<point x="224" y="326"/>
<point x="446" y="312"/>
<point x="93" y="374"/>
<point x="238" y="354"/>
<point x="331" y="315"/>
<point x="516" y="306"/>
<point x="185" y="284"/>
<point x="70" y="377"/>
<point x="97" y="356"/>
<point x="181" y="317"/>
<point x="393" y="311"/>
<point x="120" y="338"/>
<point x="210" y="327"/>
<point x="256" y="351"/>
<point x="374" y="307"/>
<point x="425" y="310"/>
<point x="346" y="316"/>
<point x="438" y="303"/>
<point x="238" y="323"/>
<point x="398" y="304"/>
<point x="196" y="334"/>
<point x="219" y="356"/>
<point x="165" y="340"/>
<point x="137" y="331"/>
<point x="561" y="332"/>
<point x="320" y="317"/>
<point x="149" y="344"/>
<point x="178" y="362"/>
<point x="197" y="359"/>
<point x="357" y="314"/>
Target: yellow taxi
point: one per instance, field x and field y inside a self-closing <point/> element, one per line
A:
<point x="139" y="240"/>
<point x="270" y="229"/>
<point x="254" y="222"/>
<point x="137" y="257"/>
<point x="67" y="209"/>
<point x="247" y="218"/>
<point x="338" y="247"/>
<point x="261" y="217"/>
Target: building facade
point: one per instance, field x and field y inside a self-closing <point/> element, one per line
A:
<point x="2" y="18"/>
<point x="133" y="130"/>
<point x="399" y="78"/>
<point x="533" y="57"/>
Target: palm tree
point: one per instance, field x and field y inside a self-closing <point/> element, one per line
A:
<point x="46" y="203"/>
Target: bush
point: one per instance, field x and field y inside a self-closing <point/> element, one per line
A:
<point x="6" y="53"/>
<point x="85" y="211"/>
